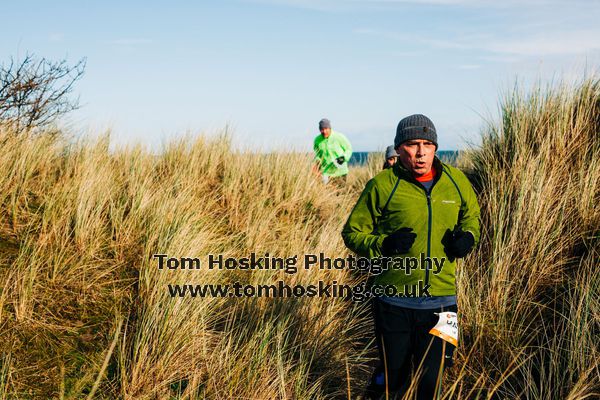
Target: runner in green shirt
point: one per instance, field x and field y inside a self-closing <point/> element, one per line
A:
<point x="332" y="152"/>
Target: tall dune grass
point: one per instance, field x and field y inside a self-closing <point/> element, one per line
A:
<point x="85" y="312"/>
<point x="530" y="294"/>
<point x="80" y="226"/>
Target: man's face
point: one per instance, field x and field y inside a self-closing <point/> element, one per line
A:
<point x="391" y="161"/>
<point x="325" y="132"/>
<point x="417" y="155"/>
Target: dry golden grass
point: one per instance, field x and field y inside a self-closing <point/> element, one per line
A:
<point x="530" y="294"/>
<point x="85" y="312"/>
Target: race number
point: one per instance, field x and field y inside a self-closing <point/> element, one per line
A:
<point x="446" y="327"/>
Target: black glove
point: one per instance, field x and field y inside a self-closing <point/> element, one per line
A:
<point x="340" y="160"/>
<point x="458" y="243"/>
<point x="398" y="242"/>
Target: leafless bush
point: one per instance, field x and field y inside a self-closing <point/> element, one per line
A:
<point x="34" y="92"/>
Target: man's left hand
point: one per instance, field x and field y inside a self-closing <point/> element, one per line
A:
<point x="458" y="243"/>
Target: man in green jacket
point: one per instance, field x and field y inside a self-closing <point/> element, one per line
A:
<point x="332" y="153"/>
<point x="422" y="214"/>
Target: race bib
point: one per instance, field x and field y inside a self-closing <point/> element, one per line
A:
<point x="446" y="327"/>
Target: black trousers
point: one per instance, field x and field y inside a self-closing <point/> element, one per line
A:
<point x="404" y="342"/>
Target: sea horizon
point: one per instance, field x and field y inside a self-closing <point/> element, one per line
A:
<point x="360" y="157"/>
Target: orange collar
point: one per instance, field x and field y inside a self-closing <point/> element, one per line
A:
<point x="428" y="176"/>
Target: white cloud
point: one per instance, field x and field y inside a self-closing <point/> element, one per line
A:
<point x="404" y="53"/>
<point x="503" y="49"/>
<point x="469" y="66"/>
<point x="532" y="28"/>
<point x="333" y="5"/>
<point x="130" y="41"/>
<point x="56" y="37"/>
<point x="366" y="31"/>
<point x="552" y="43"/>
<point x="471" y="3"/>
<point x="501" y="59"/>
<point x="415" y="38"/>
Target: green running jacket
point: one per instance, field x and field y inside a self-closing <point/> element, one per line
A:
<point x="327" y="150"/>
<point x="451" y="201"/>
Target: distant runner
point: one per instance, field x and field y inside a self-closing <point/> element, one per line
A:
<point x="332" y="153"/>
<point x="390" y="157"/>
<point x="424" y="212"/>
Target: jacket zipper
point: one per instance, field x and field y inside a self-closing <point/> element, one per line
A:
<point x="428" y="234"/>
<point x="429" y="219"/>
<point x="429" y="214"/>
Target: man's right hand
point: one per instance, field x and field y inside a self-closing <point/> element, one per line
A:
<point x="398" y="242"/>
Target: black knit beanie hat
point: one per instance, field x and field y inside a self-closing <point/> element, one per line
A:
<point x="416" y="126"/>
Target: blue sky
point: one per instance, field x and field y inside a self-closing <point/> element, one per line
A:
<point x="270" y="69"/>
